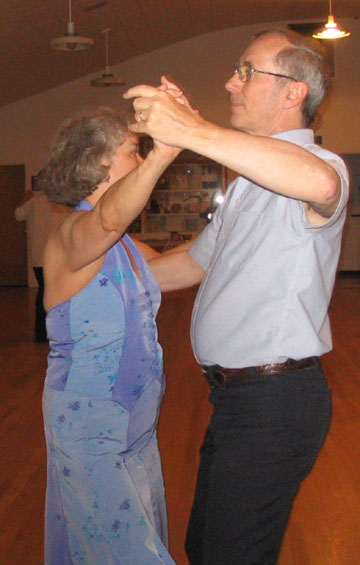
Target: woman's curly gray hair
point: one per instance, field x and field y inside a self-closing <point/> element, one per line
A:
<point x="78" y="152"/>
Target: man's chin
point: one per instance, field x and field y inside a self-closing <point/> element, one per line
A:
<point x="237" y="123"/>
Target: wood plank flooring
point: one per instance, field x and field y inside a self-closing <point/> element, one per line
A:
<point x="325" y="523"/>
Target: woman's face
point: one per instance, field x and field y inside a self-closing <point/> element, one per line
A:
<point x="126" y="158"/>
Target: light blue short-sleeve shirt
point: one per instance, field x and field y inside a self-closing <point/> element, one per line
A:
<point x="270" y="274"/>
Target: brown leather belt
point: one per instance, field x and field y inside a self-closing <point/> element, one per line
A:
<point x="217" y="375"/>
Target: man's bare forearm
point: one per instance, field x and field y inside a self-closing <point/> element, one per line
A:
<point x="286" y="168"/>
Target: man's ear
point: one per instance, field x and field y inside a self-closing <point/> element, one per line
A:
<point x="296" y="94"/>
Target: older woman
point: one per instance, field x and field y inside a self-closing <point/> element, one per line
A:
<point x="105" y="497"/>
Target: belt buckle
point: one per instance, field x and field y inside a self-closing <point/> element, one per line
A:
<point x="269" y="369"/>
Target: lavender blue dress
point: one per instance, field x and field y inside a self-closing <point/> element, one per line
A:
<point x="105" y="496"/>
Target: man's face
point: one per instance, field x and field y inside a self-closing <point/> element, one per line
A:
<point x="256" y="105"/>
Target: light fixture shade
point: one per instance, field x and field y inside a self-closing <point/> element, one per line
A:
<point x="107" y="79"/>
<point x="70" y="41"/>
<point x="331" y="30"/>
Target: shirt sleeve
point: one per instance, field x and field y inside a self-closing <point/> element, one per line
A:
<point x="339" y="166"/>
<point x="203" y="247"/>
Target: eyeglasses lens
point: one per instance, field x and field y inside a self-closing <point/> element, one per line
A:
<point x="243" y="71"/>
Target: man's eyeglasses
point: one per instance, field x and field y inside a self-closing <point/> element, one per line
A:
<point x="246" y="71"/>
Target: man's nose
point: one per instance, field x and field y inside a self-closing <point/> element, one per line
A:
<point x="233" y="84"/>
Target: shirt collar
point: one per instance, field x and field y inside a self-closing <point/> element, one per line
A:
<point x="298" y="136"/>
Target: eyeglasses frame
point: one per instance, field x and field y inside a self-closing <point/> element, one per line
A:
<point x="252" y="71"/>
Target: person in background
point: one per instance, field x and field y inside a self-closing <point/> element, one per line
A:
<point x="104" y="384"/>
<point x="41" y="216"/>
<point x="267" y="265"/>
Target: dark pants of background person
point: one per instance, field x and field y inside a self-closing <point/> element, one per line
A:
<point x="40" y="314"/>
<point x="262" y="440"/>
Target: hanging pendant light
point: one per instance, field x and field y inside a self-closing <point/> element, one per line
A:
<point x="331" y="30"/>
<point x="70" y="41"/>
<point x="107" y="78"/>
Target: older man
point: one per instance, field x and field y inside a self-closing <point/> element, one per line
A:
<point x="267" y="263"/>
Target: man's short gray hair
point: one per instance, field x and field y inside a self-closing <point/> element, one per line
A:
<point x="305" y="60"/>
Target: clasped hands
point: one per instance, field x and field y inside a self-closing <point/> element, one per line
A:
<point x="164" y="112"/>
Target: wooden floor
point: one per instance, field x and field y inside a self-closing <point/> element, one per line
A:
<point x="325" y="525"/>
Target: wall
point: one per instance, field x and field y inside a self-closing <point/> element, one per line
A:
<point x="201" y="66"/>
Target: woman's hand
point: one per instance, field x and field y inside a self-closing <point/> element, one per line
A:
<point x="172" y="89"/>
<point x="164" y="113"/>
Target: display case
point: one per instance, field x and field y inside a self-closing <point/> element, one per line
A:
<point x="183" y="200"/>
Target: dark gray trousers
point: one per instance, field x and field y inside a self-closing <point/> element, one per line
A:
<point x="40" y="314"/>
<point x="262" y="441"/>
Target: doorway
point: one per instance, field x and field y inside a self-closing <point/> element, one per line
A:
<point x="13" y="271"/>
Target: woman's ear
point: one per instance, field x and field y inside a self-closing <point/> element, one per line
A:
<point x="106" y="162"/>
